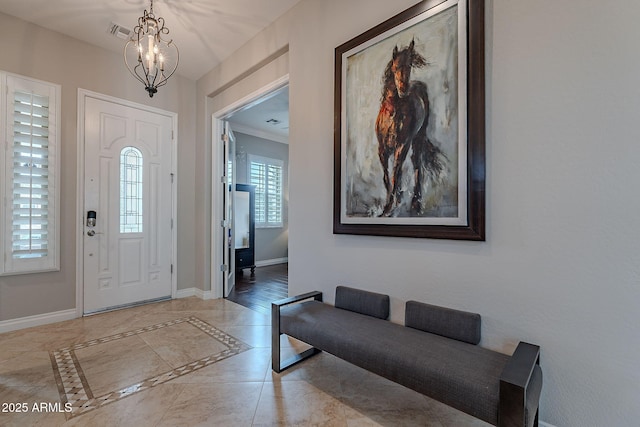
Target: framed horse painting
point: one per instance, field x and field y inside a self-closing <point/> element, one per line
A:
<point x="409" y="132"/>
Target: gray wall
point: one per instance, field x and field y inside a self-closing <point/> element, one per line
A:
<point x="271" y="243"/>
<point x="35" y="52"/>
<point x="561" y="264"/>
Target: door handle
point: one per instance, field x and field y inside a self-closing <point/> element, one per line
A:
<point x="92" y="233"/>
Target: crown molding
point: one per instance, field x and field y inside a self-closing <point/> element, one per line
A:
<point x="259" y="133"/>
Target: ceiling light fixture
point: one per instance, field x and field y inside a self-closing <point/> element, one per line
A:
<point x="155" y="59"/>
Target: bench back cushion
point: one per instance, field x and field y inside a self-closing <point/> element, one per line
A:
<point x="363" y="302"/>
<point x="447" y="322"/>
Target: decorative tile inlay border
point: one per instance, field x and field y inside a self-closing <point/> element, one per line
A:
<point x="74" y="388"/>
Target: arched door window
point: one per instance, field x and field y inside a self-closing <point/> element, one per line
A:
<point x="131" y="190"/>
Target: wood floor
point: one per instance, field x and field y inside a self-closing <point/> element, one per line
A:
<point x="270" y="283"/>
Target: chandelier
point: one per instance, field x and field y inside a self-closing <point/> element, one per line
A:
<point x="150" y="58"/>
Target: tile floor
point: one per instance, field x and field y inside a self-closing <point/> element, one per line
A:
<point x="191" y="362"/>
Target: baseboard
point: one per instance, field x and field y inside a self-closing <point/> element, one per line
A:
<point x="543" y="424"/>
<point x="185" y="293"/>
<point x="272" y="261"/>
<point x="61" y="316"/>
<point x="37" y="320"/>
<point x="194" y="292"/>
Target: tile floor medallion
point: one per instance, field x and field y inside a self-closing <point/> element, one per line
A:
<point x="98" y="372"/>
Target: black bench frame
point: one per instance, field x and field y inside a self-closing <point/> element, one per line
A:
<point x="276" y="365"/>
<point x="514" y="380"/>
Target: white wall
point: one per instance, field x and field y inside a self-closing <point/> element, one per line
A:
<point x="561" y="264"/>
<point x="36" y="52"/>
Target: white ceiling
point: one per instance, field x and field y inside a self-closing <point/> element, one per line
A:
<point x="205" y="31"/>
<point x="267" y="119"/>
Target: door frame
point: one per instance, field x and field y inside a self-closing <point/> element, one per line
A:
<point x="217" y="128"/>
<point x="83" y="94"/>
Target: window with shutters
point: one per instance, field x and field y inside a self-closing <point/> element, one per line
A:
<point x="267" y="176"/>
<point x="28" y="166"/>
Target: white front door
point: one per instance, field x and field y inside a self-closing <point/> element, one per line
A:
<point x="128" y="190"/>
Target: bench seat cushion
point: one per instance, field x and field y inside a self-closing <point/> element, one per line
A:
<point x="458" y="374"/>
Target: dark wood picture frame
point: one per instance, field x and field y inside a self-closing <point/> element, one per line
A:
<point x="474" y="229"/>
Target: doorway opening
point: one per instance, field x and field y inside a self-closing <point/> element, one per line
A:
<point x="255" y="166"/>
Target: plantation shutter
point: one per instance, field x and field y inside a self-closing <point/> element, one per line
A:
<point x="30" y="174"/>
<point x="274" y="194"/>
<point x="258" y="179"/>
<point x="30" y="201"/>
<point x="266" y="175"/>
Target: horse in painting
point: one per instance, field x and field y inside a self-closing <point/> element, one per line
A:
<point x="402" y="124"/>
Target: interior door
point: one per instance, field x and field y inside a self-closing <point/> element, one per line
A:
<point x="228" y="206"/>
<point x="128" y="193"/>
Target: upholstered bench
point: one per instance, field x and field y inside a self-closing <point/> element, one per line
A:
<point x="435" y="353"/>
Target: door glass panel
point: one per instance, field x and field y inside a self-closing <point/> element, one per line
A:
<point x="130" y="190"/>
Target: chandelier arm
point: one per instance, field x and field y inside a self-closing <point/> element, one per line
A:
<point x="140" y="71"/>
<point x="152" y="78"/>
<point x="176" y="66"/>
<point x="132" y="70"/>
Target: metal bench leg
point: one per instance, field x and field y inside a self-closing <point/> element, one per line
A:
<point x="276" y="363"/>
